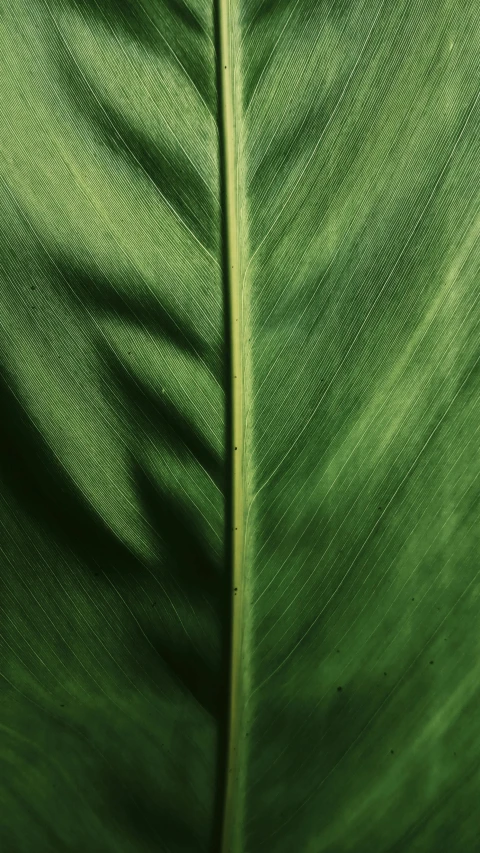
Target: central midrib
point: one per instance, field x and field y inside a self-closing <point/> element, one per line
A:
<point x="228" y="141"/>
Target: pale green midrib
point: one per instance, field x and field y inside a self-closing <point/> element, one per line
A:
<point x="230" y="833"/>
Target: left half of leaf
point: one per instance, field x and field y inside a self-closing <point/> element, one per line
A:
<point x="112" y="432"/>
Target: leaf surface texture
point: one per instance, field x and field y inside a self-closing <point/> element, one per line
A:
<point x="335" y="204"/>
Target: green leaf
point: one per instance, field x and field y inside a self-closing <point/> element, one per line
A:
<point x="239" y="381"/>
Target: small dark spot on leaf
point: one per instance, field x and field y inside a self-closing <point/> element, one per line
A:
<point x="384" y="673"/>
<point x="431" y="662"/>
<point x="339" y="689"/>
<point x="413" y="599"/>
<point x="392" y="751"/>
<point x="62" y="706"/>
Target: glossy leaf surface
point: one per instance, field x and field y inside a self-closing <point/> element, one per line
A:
<point x="317" y="167"/>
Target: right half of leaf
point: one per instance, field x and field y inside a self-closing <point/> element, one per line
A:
<point x="360" y="160"/>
